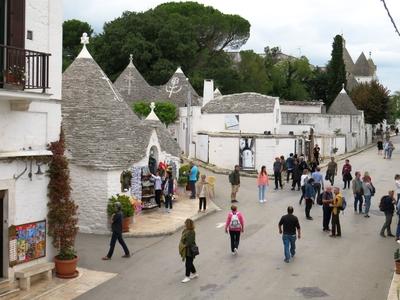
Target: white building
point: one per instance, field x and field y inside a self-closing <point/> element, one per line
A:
<point x="30" y="118"/>
<point x="104" y="138"/>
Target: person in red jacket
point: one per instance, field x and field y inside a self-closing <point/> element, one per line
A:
<point x="346" y="172"/>
<point x="234" y="225"/>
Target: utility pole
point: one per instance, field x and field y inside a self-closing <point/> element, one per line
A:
<point x="188" y="127"/>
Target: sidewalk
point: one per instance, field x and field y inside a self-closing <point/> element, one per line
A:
<point x="394" y="289"/>
<point x="157" y="222"/>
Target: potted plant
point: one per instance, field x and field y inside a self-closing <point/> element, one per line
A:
<point x="15" y="77"/>
<point x="62" y="212"/>
<point x="397" y="260"/>
<point x="126" y="207"/>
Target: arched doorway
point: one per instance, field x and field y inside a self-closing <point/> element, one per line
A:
<point x="153" y="159"/>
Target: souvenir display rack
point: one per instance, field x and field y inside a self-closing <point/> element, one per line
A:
<point x="148" y="192"/>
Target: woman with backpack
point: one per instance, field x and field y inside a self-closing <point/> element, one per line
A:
<point x="262" y="183"/>
<point x="188" y="250"/>
<point x="368" y="192"/>
<point x="234" y="225"/>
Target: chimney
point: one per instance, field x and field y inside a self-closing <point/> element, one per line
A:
<point x="208" y="91"/>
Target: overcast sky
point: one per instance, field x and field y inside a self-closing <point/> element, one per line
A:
<point x="305" y="27"/>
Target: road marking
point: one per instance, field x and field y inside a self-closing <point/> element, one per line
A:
<point x="220" y="225"/>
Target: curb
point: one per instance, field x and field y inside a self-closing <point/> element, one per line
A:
<point x="173" y="230"/>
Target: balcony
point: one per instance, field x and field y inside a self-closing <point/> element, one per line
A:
<point x="24" y="76"/>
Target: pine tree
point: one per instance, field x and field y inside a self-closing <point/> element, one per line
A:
<point x="335" y="70"/>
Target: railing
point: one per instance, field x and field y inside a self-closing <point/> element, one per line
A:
<point x="24" y="69"/>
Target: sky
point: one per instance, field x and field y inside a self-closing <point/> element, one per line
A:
<point x="298" y="27"/>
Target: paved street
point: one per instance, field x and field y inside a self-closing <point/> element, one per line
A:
<point x="359" y="265"/>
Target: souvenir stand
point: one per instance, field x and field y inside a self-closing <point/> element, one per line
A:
<point x="142" y="188"/>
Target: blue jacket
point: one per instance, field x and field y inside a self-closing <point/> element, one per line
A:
<point x="193" y="173"/>
<point x="290" y="163"/>
<point x="309" y="192"/>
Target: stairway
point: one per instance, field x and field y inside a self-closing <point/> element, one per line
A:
<point x="7" y="289"/>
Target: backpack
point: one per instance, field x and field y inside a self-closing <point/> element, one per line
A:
<point x="344" y="204"/>
<point x="382" y="206"/>
<point x="230" y="177"/>
<point x="235" y="222"/>
<point x="372" y="189"/>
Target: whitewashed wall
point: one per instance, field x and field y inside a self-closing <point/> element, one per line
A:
<point x="316" y="109"/>
<point x="202" y="147"/>
<point x="224" y="152"/>
<point x="269" y="148"/>
<point x="297" y="129"/>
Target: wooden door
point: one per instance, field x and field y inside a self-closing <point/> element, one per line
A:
<point x="16" y="23"/>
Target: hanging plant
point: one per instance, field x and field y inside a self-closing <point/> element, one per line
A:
<point x="62" y="211"/>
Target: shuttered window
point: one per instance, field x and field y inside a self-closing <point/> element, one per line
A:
<point x="16" y="23"/>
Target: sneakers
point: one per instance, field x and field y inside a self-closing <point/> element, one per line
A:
<point x="106" y="258"/>
<point x="235" y="250"/>
<point x="126" y="256"/>
<point x="193" y="276"/>
<point x="391" y="235"/>
<point x="286" y="260"/>
<point x="186" y="279"/>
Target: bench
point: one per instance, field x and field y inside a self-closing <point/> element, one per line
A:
<point x="25" y="275"/>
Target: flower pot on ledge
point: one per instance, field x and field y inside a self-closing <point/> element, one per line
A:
<point x="125" y="224"/>
<point x="66" y="268"/>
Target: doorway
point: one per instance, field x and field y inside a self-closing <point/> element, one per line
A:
<point x="3" y="238"/>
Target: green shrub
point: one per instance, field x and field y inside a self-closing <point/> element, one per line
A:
<point x="126" y="205"/>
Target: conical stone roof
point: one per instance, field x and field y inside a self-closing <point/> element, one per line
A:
<point x="343" y="105"/>
<point x="101" y="131"/>
<point x="348" y="61"/>
<point x="362" y="67"/>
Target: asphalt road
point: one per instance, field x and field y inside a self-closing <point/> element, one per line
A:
<point x="359" y="265"/>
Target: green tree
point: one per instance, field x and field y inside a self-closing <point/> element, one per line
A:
<point x="336" y="73"/>
<point x="72" y="32"/>
<point x="317" y="85"/>
<point x="165" y="111"/>
<point x="373" y="99"/>
<point x="186" y="34"/>
<point x="394" y="107"/>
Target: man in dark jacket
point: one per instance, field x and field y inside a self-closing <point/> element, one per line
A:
<point x="387" y="206"/>
<point x="234" y="179"/>
<point x="309" y="195"/>
<point x="289" y="166"/>
<point x="116" y="227"/>
<point x="296" y="175"/>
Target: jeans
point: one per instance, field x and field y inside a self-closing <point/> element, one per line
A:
<point x="202" y="203"/>
<point x="289" y="244"/>
<point x="189" y="266"/>
<point x="317" y="188"/>
<point x="235" y="239"/>
<point x="261" y="192"/>
<point x="288" y="172"/>
<point x="278" y="179"/>
<point x="367" y="203"/>
<point x="336" y="230"/>
<point x="358" y="199"/>
<point x="398" y="228"/>
<point x="192" y="185"/>
<point x="388" y="222"/>
<point x="309" y="203"/>
<point x="327" y="212"/>
<point x="389" y="153"/>
<point x="168" y="201"/>
<point x="117" y="236"/>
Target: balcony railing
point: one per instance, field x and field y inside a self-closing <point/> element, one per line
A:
<point x="24" y="69"/>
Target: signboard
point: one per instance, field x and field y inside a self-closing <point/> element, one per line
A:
<point x="232" y="122"/>
<point x="27" y="242"/>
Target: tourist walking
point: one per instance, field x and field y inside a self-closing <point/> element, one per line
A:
<point x="234" y="179"/>
<point x="336" y="205"/>
<point x="296" y="176"/>
<point x="168" y="190"/>
<point x="379" y="139"/>
<point x="346" y="173"/>
<point x="331" y="171"/>
<point x="357" y="187"/>
<point x="157" y="187"/>
<point x="302" y="164"/>
<point x="316" y="151"/>
<point x="303" y="180"/>
<point x="318" y="182"/>
<point x="188" y="250"/>
<point x="262" y="183"/>
<point x="390" y="148"/>
<point x="204" y="192"/>
<point x="309" y="194"/>
<point x="278" y="168"/>
<point x="289" y="167"/>
<point x="290" y="224"/>
<point x="234" y="225"/>
<point x="387" y="206"/>
<point x="327" y="200"/>
<point x="385" y="149"/>
<point x="116" y="227"/>
<point x="193" y="176"/>
<point x="368" y="190"/>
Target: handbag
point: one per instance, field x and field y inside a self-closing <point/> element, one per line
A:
<point x="194" y="250"/>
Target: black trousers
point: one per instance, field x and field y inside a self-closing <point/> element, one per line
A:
<point x="202" y="203"/>
<point x="288" y="172"/>
<point x="296" y="182"/>
<point x="330" y="177"/>
<point x="336" y="230"/>
<point x="278" y="179"/>
<point x="235" y="239"/>
<point x="327" y="212"/>
<point x="192" y="185"/>
<point x="168" y="201"/>
<point x="189" y="266"/>
<point x="117" y="236"/>
<point x="346" y="183"/>
<point x="158" y="197"/>
<point x="309" y="203"/>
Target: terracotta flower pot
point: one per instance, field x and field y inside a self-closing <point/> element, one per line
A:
<point x="397" y="262"/>
<point x="125" y="224"/>
<point x="66" y="268"/>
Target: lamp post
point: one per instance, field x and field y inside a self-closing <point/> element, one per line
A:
<point x="188" y="127"/>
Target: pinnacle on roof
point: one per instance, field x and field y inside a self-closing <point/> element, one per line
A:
<point x="217" y="93"/>
<point x="84" y="52"/>
<point x="152" y="115"/>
